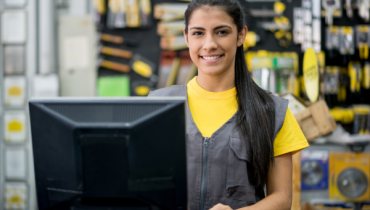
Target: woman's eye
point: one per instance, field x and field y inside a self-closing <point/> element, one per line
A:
<point x="222" y="32"/>
<point x="197" y="33"/>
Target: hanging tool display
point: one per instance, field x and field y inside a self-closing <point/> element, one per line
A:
<point x="298" y="25"/>
<point x="366" y="83"/>
<point x="363" y="41"/>
<point x="284" y="38"/>
<point x="346" y="39"/>
<point x="332" y="39"/>
<point x="366" y="76"/>
<point x="331" y="85"/>
<point x="355" y="74"/>
<point x="316" y="25"/>
<point x="330" y="6"/>
<point x="361" y="119"/>
<point x="349" y="9"/>
<point x="307" y="24"/>
<point x="363" y="9"/>
<point x="128" y="14"/>
<point x="170" y="28"/>
<point x="279" y="23"/>
<point x="99" y="13"/>
<point x="280" y="26"/>
<point x="279" y="8"/>
<point x="343" y="84"/>
<point x="170" y="11"/>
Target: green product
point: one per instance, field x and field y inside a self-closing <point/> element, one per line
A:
<point x="282" y="80"/>
<point x="114" y="86"/>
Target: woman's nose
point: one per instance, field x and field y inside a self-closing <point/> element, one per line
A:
<point x="209" y="43"/>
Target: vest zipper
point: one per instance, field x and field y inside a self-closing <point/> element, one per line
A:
<point x="203" y="185"/>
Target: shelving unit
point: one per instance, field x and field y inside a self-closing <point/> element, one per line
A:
<point x="30" y="65"/>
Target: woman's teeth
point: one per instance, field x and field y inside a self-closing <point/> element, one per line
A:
<point x="211" y="57"/>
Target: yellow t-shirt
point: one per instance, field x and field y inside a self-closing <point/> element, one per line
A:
<point x="210" y="110"/>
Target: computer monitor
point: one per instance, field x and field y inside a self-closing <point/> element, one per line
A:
<point x="109" y="153"/>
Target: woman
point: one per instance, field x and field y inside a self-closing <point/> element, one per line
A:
<point x="239" y="137"/>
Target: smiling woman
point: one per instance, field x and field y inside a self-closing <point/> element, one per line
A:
<point x="212" y="39"/>
<point x="240" y="138"/>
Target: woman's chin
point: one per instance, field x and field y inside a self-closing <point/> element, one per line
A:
<point x="211" y="72"/>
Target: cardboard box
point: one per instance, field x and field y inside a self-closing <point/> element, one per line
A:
<point x="316" y="120"/>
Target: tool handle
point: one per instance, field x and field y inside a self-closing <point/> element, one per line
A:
<point x="111" y="38"/>
<point x="116" y="52"/>
<point x="115" y="66"/>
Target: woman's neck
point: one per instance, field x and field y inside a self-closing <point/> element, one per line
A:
<point x="216" y="83"/>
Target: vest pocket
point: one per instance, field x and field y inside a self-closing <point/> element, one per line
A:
<point x="243" y="193"/>
<point x="237" y="182"/>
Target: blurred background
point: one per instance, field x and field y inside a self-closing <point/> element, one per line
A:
<point x="121" y="48"/>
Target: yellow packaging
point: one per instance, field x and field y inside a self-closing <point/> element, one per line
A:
<point x="15" y="127"/>
<point x="133" y="14"/>
<point x="349" y="176"/>
<point x="355" y="74"/>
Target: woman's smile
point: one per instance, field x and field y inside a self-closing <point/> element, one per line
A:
<point x="211" y="58"/>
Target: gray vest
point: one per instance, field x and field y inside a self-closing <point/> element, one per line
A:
<point x="218" y="166"/>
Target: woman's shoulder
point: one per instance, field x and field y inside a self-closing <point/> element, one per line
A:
<point x="278" y="99"/>
<point x="175" y="90"/>
<point x="281" y="104"/>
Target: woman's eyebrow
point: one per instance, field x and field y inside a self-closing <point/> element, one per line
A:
<point x="197" y="28"/>
<point x="216" y="28"/>
<point x="222" y="26"/>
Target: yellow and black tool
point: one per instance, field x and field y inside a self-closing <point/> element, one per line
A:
<point x="343" y="115"/>
<point x="142" y="66"/>
<point x="279" y="8"/>
<point x="99" y="6"/>
<point x="355" y="74"/>
<point x="363" y="41"/>
<point x="360" y="123"/>
<point x="347" y="43"/>
<point x="141" y="88"/>
<point x="366" y="76"/>
<point x="251" y="40"/>
<point x="342" y="91"/>
<point x="284" y="38"/>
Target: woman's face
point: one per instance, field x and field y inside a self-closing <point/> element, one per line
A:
<point x="212" y="40"/>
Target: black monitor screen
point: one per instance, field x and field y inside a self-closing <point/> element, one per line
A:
<point x="109" y="153"/>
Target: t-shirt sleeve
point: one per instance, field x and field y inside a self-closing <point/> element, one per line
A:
<point x="290" y="137"/>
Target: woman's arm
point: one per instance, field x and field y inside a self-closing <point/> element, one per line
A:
<point x="279" y="187"/>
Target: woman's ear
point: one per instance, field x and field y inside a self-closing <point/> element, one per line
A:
<point x="241" y="36"/>
<point x="186" y="38"/>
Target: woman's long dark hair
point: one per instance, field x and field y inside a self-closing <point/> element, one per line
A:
<point x="256" y="114"/>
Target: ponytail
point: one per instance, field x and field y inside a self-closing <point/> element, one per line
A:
<point x="256" y="119"/>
